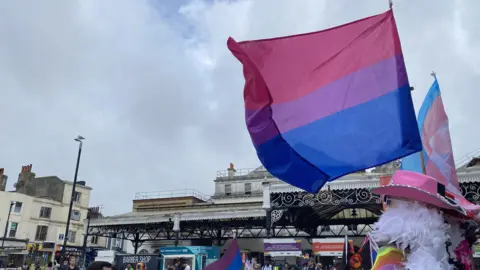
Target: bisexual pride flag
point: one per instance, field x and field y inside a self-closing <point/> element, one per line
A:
<point x="325" y="104"/>
<point x="231" y="260"/>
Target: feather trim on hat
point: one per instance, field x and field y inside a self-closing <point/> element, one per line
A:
<point x="418" y="231"/>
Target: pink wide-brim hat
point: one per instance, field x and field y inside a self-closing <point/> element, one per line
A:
<point x="418" y="187"/>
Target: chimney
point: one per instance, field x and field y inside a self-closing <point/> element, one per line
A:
<point x="24" y="178"/>
<point x="231" y="171"/>
<point x="26" y="169"/>
<point x="3" y="180"/>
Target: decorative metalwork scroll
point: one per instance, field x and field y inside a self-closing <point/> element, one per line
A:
<point x="471" y="191"/>
<point x="276" y="215"/>
<point x="333" y="197"/>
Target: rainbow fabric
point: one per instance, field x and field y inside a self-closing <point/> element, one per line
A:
<point x="325" y="104"/>
<point x="389" y="258"/>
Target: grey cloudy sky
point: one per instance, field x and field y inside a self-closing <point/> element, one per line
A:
<point x="153" y="88"/>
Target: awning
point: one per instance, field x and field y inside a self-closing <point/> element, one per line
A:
<point x="148" y="218"/>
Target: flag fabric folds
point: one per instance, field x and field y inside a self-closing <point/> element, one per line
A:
<point x="437" y="146"/>
<point x="325" y="104"/>
<point x="384" y="180"/>
<point x="437" y="152"/>
<point x="366" y="253"/>
<point x="373" y="252"/>
<point x="344" y="265"/>
<point x="231" y="260"/>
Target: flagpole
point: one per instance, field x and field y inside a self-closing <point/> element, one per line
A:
<point x="390" y="4"/>
<point x="422" y="161"/>
<point x="422" y="158"/>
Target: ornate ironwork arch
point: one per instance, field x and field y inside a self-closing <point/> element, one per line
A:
<point x="344" y="197"/>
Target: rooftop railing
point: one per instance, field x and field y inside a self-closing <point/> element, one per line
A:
<point x="249" y="173"/>
<point x="171" y="194"/>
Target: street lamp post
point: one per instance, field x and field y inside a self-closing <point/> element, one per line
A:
<point x="79" y="139"/>
<point x="6" y="224"/>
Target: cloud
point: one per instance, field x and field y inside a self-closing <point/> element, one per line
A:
<point x="157" y="94"/>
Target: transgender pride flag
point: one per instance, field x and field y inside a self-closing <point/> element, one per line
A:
<point x="325" y="104"/>
<point x="437" y="147"/>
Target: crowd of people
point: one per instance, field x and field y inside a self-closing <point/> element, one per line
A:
<point x="179" y="264"/>
<point x="68" y="264"/>
<point x="271" y="265"/>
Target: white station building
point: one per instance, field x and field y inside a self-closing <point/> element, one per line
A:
<point x="253" y="206"/>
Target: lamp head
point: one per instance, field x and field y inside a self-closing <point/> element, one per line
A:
<point x="79" y="138"/>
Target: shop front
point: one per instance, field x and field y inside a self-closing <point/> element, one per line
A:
<point x="328" y="250"/>
<point x="13" y="251"/>
<point x="282" y="251"/>
<point x="62" y="253"/>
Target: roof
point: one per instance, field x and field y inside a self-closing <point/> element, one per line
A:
<point x="159" y="217"/>
<point x="369" y="180"/>
<point x="353" y="181"/>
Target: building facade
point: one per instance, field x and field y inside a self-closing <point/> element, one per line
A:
<point x="37" y="212"/>
<point x="253" y="205"/>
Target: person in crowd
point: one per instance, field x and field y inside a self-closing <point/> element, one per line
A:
<point x="64" y="265"/>
<point x="99" y="265"/>
<point x="311" y="265"/>
<point x="72" y="263"/>
<point x="268" y="266"/>
<point x="129" y="267"/>
<point x="337" y="266"/>
<point x="178" y="265"/>
<point x="50" y="266"/>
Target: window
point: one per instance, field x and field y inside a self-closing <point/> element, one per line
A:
<point x="115" y="243"/>
<point x="76" y="215"/>
<point x="17" y="207"/>
<point x="94" y="240"/>
<point x="248" y="188"/>
<point x="41" y="234"/>
<point x="13" y="229"/>
<point x="77" y="196"/>
<point x="72" y="236"/>
<point x="228" y="189"/>
<point x="45" y="212"/>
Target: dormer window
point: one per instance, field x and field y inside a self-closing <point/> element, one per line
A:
<point x="228" y="189"/>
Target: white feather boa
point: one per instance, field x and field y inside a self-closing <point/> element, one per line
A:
<point x="454" y="233"/>
<point x="420" y="229"/>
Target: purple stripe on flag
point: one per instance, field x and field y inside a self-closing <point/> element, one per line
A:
<point x="227" y="259"/>
<point x="354" y="89"/>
